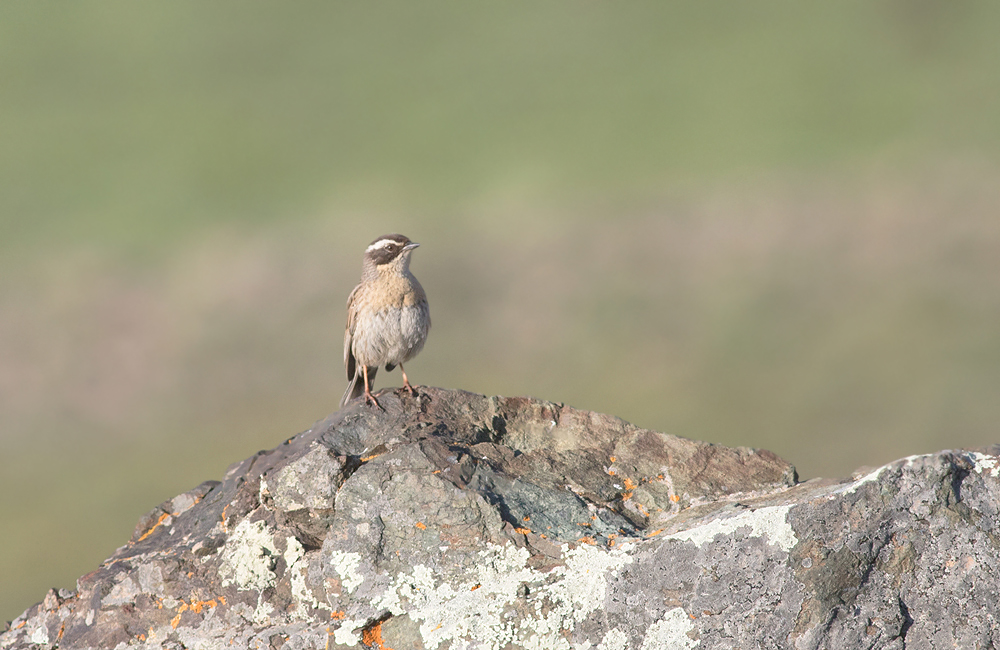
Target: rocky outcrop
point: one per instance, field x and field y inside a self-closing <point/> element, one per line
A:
<point x="453" y="520"/>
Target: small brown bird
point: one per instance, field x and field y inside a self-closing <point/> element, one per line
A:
<point x="387" y="317"/>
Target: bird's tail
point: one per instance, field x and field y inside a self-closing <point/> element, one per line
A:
<point x="356" y="388"/>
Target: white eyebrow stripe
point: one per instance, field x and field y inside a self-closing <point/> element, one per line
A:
<point x="382" y="243"/>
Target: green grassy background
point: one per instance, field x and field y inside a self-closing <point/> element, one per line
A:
<point x="767" y="224"/>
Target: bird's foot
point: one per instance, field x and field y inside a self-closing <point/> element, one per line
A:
<point x="406" y="382"/>
<point x="371" y="398"/>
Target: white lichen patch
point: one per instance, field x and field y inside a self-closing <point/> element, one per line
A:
<point x="850" y="488"/>
<point x="584" y="579"/>
<point x="346" y="566"/>
<point x="770" y="523"/>
<point x="472" y="608"/>
<point x="346" y="635"/>
<point x="985" y="463"/>
<point x="39" y="635"/>
<point x="873" y="476"/>
<point x="262" y="613"/>
<point x="670" y="632"/>
<point x="486" y="610"/>
<point x="298" y="567"/>
<point x="615" y="639"/>
<point x="293" y="552"/>
<point x="247" y="557"/>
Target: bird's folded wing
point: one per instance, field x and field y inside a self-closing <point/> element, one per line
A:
<point x="349" y="363"/>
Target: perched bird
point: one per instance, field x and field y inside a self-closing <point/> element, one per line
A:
<point x="387" y="317"/>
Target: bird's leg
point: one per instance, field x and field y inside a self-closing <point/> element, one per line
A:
<point x="406" y="382"/>
<point x="368" y="392"/>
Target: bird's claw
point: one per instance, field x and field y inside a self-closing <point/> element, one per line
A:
<point x="371" y="398"/>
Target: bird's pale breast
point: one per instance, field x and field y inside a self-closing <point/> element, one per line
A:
<point x="395" y="333"/>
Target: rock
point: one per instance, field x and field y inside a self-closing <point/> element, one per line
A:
<point x="459" y="521"/>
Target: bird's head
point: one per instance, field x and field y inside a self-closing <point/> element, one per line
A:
<point x="389" y="253"/>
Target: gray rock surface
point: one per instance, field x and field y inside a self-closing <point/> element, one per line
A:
<point x="455" y="520"/>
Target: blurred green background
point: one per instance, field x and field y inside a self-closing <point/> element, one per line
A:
<point x="765" y="224"/>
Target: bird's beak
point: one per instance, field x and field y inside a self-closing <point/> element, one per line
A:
<point x="410" y="246"/>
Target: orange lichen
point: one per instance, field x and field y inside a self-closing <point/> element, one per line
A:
<point x="587" y="540"/>
<point x="198" y="605"/>
<point x="611" y="471"/>
<point x="365" y="459"/>
<point x="338" y="616"/>
<point x="62" y="629"/>
<point x="654" y="533"/>
<point x="372" y="637"/>
<point x="612" y="459"/>
<point x="525" y="518"/>
<point x="522" y="531"/>
<point x="195" y="606"/>
<point x="675" y="498"/>
<point x="224" y="525"/>
<point x="630" y="487"/>
<point x="155" y="526"/>
<point x="475" y="587"/>
<point x="420" y="525"/>
<point x="584" y="523"/>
